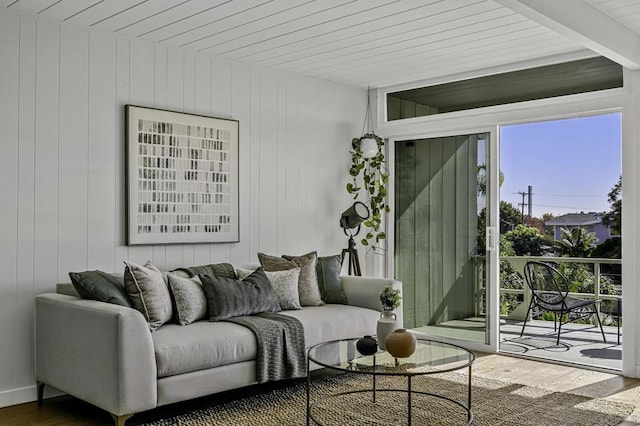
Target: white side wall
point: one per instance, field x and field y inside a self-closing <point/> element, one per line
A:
<point x="62" y="185"/>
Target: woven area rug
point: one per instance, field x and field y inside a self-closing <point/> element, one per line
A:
<point x="493" y="403"/>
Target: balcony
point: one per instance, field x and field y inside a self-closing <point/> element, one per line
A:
<point x="580" y="343"/>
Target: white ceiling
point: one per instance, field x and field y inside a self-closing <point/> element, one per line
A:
<point x="373" y="43"/>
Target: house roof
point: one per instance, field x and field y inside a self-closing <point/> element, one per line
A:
<point x="376" y="43"/>
<point x="576" y="219"/>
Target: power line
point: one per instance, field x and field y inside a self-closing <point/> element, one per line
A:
<point x="571" y="195"/>
<point x="568" y="207"/>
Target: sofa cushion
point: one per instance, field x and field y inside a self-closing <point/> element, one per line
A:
<point x="220" y="269"/>
<point x="284" y="283"/>
<point x="67" y="289"/>
<point x="333" y="322"/>
<point x="190" y="300"/>
<point x="328" y="269"/>
<point x="148" y="293"/>
<point x="201" y="345"/>
<point x="101" y="286"/>
<point x="308" y="281"/>
<point x="229" y="298"/>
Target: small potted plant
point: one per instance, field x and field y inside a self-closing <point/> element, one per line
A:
<point x="390" y="298"/>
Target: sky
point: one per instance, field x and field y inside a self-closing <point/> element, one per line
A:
<point x="571" y="164"/>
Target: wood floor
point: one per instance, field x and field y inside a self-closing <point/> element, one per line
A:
<point x="72" y="412"/>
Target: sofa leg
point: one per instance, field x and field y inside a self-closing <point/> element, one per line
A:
<point x="120" y="420"/>
<point x="40" y="393"/>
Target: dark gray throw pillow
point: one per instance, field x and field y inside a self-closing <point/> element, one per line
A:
<point x="100" y="286"/>
<point x="229" y="298"/>
<point x="220" y="269"/>
<point x="328" y="269"/>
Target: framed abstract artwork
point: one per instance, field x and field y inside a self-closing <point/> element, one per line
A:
<point x="182" y="177"/>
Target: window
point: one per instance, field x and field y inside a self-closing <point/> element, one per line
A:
<point x="586" y="75"/>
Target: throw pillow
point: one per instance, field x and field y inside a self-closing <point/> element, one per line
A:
<point x="219" y="269"/>
<point x="148" y="293"/>
<point x="308" y="281"/>
<point x="101" y="286"/>
<point x="229" y="298"/>
<point x="189" y="297"/>
<point x="328" y="269"/>
<point x="284" y="283"/>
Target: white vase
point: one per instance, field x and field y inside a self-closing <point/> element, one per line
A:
<point x="387" y="323"/>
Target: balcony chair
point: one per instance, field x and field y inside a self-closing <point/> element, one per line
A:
<point x="549" y="291"/>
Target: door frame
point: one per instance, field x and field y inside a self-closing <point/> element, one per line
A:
<point x="492" y="203"/>
<point x="490" y="119"/>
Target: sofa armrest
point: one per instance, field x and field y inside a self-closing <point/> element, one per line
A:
<point x="365" y="292"/>
<point x="98" y="352"/>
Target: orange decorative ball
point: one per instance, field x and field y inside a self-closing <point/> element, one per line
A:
<point x="400" y="343"/>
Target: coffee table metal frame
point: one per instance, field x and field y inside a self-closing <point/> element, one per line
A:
<point x="377" y="370"/>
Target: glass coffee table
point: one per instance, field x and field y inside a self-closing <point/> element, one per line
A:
<point x="430" y="357"/>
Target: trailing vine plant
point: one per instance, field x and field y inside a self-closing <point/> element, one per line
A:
<point x="370" y="176"/>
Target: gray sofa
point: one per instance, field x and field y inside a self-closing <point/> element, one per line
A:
<point x="105" y="354"/>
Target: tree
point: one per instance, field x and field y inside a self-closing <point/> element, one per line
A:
<point x="576" y="242"/>
<point x="482" y="179"/>
<point x="526" y="241"/>
<point x="510" y="217"/>
<point x="548" y="230"/>
<point x="610" y="249"/>
<point x="536" y="223"/>
<point x="613" y="218"/>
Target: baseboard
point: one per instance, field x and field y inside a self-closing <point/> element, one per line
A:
<point x="636" y="371"/>
<point x="24" y="395"/>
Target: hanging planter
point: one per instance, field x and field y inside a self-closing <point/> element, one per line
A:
<point x="370" y="177"/>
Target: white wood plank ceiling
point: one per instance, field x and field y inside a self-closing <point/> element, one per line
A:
<point x="373" y="43"/>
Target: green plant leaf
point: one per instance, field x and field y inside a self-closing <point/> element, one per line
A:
<point x="374" y="177"/>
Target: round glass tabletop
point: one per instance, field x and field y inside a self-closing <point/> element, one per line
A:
<point x="430" y="357"/>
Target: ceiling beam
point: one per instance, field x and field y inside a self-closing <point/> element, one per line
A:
<point x="585" y="24"/>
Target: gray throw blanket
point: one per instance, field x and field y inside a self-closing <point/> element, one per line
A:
<point x="281" y="351"/>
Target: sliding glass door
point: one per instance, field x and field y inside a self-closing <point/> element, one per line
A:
<point x="441" y="193"/>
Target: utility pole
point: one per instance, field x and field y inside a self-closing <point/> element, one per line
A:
<point x="529" y="203"/>
<point x="522" y="204"/>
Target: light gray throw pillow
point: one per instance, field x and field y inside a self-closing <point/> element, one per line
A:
<point x="307" y="283"/>
<point x="148" y="293"/>
<point x="189" y="297"/>
<point x="284" y="283"/>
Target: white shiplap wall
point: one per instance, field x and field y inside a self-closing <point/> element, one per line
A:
<point x="62" y="97"/>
